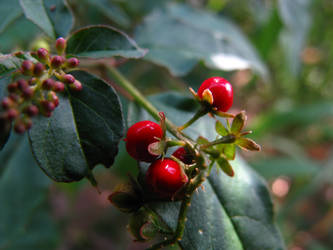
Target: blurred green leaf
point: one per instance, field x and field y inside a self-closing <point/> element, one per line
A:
<point x="10" y="10"/>
<point x="34" y="10"/>
<point x="300" y="116"/>
<point x="285" y="166"/>
<point x="190" y="35"/>
<point x="102" y="42"/>
<point x="25" y="220"/>
<point x="60" y="16"/>
<point x="64" y="145"/>
<point x="18" y="35"/>
<point x="296" y="17"/>
<point x="111" y="10"/>
<point x="233" y="213"/>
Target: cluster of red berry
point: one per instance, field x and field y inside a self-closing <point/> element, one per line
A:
<point x="35" y="91"/>
<point x="166" y="176"/>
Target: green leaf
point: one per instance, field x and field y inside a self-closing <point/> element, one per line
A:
<point x="111" y="11"/>
<point x="238" y="123"/>
<point x="296" y="17"/>
<point x="228" y="213"/>
<point x="10" y="10"/>
<point x="218" y="42"/>
<point x="5" y="127"/>
<point x="60" y="16"/>
<point x="286" y="166"/>
<point x="35" y="11"/>
<point x="225" y="166"/>
<point x="82" y="132"/>
<point x="220" y="129"/>
<point x="8" y="63"/>
<point x="299" y="116"/>
<point x="25" y="219"/>
<point x="102" y="42"/>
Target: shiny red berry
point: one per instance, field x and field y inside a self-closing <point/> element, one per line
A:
<point x="68" y="78"/>
<point x="48" y="84"/>
<point x="58" y="86"/>
<point x="183" y="155"/>
<point x="138" y="138"/>
<point x="166" y="177"/>
<point x="76" y="85"/>
<point x="221" y="90"/>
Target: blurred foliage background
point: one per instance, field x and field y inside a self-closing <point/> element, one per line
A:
<point x="280" y="55"/>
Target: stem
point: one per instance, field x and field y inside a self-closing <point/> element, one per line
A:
<point x="201" y="112"/>
<point x="135" y="93"/>
<point x="225" y="139"/>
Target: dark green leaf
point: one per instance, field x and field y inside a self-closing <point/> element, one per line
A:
<point x="112" y="11"/>
<point x="25" y="221"/>
<point x="10" y="10"/>
<point x="82" y="132"/>
<point x="221" y="129"/>
<point x="218" y="42"/>
<point x="5" y="126"/>
<point x="99" y="119"/>
<point x="229" y="213"/>
<point x="102" y="42"/>
<point x="225" y="166"/>
<point x="238" y="123"/>
<point x="35" y="11"/>
<point x="60" y="16"/>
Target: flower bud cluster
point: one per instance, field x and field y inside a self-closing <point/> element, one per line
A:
<point x="36" y="85"/>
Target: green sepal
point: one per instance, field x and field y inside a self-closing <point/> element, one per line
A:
<point x="126" y="198"/>
<point x="221" y="129"/>
<point x="238" y="123"/>
<point x="247" y="144"/>
<point x="225" y="166"/>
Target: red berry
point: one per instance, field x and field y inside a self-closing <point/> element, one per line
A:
<point x="42" y="54"/>
<point x="68" y="78"/>
<point x="166" y="177"/>
<point x="183" y="155"/>
<point x="27" y="93"/>
<point x="48" y="106"/>
<point x="6" y="103"/>
<point x="138" y="138"/>
<point x="72" y="62"/>
<point x="60" y="45"/>
<point x="12" y="114"/>
<point x="22" y="84"/>
<point x="27" y="67"/>
<point x="58" y="87"/>
<point x="12" y="87"/>
<point x="76" y="86"/>
<point x="19" y="127"/>
<point x="57" y="61"/>
<point x="31" y="110"/>
<point x="48" y="84"/>
<point x="39" y="69"/>
<point x="221" y="90"/>
<point x="52" y="96"/>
